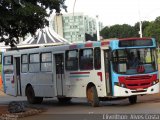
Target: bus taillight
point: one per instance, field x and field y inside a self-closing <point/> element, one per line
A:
<point x="100" y="75"/>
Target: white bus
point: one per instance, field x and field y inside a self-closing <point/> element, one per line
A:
<point x="95" y="70"/>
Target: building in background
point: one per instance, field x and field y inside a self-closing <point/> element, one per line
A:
<point x="58" y="24"/>
<point x="76" y="27"/>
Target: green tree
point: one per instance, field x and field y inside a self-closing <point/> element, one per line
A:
<point x="19" y="17"/>
<point x="153" y="29"/>
<point x="118" y="31"/>
<point x="136" y="27"/>
<point x="105" y="32"/>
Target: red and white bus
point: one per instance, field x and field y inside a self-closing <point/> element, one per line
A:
<point x="97" y="71"/>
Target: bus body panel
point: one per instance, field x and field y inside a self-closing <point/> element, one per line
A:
<point x="78" y="81"/>
<point x="42" y="83"/>
<point x="119" y="91"/>
<point x="133" y="86"/>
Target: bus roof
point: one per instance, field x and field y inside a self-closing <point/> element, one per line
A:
<point x="90" y="44"/>
<point x="136" y="38"/>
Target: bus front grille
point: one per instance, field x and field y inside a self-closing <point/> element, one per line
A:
<point x="144" y="77"/>
<point x="135" y="82"/>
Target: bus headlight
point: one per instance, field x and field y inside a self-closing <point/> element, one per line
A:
<point x="155" y="82"/>
<point x="120" y="84"/>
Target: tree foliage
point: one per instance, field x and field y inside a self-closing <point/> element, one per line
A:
<point x="19" y="17"/>
<point x="89" y="37"/>
<point x="118" y="31"/>
<point x="153" y="30"/>
<point x="136" y="27"/>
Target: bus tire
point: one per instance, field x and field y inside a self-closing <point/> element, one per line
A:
<point x="30" y="95"/>
<point x="92" y="96"/>
<point x="133" y="99"/>
<point x="64" y="99"/>
<point x="39" y="100"/>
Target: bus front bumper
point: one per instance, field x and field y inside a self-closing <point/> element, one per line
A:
<point x="120" y="91"/>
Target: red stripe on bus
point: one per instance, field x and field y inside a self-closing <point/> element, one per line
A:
<point x="89" y="45"/>
<point x="80" y="73"/>
<point x="105" y="43"/>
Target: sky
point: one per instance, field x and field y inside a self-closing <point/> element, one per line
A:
<point x="113" y="12"/>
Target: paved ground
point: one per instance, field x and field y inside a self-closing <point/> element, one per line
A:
<point x="79" y="108"/>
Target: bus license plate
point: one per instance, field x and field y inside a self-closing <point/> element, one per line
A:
<point x="139" y="89"/>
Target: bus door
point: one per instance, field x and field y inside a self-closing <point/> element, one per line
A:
<point x="108" y="77"/>
<point x="17" y="78"/>
<point x="59" y="60"/>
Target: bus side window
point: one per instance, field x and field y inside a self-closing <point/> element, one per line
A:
<point x="86" y="59"/>
<point x="72" y="60"/>
<point x="34" y="62"/>
<point x="97" y="58"/>
<point x="24" y="65"/>
<point x="46" y="62"/>
<point x="8" y="60"/>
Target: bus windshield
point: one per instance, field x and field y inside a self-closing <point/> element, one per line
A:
<point x="134" y="61"/>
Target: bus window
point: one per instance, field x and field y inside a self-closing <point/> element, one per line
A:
<point x="97" y="58"/>
<point x="24" y="68"/>
<point x="128" y="61"/>
<point x="86" y="59"/>
<point x="120" y="61"/>
<point x="34" y="65"/>
<point x="46" y="62"/>
<point x="8" y="60"/>
<point x="72" y="60"/>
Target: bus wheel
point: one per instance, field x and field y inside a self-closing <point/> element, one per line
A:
<point x="30" y="95"/>
<point x="92" y="96"/>
<point x="64" y="99"/>
<point x="133" y="99"/>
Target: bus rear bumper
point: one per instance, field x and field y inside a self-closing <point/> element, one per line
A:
<point x="120" y="91"/>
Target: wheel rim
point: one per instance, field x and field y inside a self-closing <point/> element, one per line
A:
<point x="90" y="95"/>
